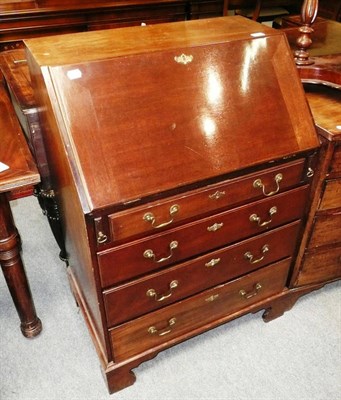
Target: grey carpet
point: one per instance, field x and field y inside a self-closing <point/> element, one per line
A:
<point x="294" y="357"/>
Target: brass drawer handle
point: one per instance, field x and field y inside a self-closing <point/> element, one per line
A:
<point x="246" y="295"/>
<point x="310" y="172"/>
<point x="217" y="195"/>
<point x="149" y="217"/>
<point x="153" y="330"/>
<point x="212" y="263"/>
<point x="215" y="227"/>
<point x="257" y="220"/>
<point x="101" y="237"/>
<point x="259" y="184"/>
<point x="250" y="257"/>
<point x="152" y="292"/>
<point x="150" y="254"/>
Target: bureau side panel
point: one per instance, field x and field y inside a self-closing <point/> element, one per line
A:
<point x="65" y="186"/>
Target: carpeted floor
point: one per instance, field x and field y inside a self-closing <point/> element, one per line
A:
<point x="295" y="357"/>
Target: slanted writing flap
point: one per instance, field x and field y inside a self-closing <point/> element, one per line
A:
<point x="140" y="124"/>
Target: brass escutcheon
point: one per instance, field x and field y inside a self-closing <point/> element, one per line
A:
<point x="212" y="298"/>
<point x="215" y="227"/>
<point x="212" y="263"/>
<point x="183" y="59"/>
<point x="217" y="195"/>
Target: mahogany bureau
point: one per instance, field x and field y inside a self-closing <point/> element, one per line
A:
<point x="182" y="157"/>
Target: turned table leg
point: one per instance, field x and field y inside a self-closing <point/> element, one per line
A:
<point x="14" y="272"/>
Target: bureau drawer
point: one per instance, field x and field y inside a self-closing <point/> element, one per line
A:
<point x="173" y="321"/>
<point x="166" y="287"/>
<point x="141" y="256"/>
<point x="335" y="167"/>
<point x="332" y="195"/>
<point x="320" y="266"/>
<point x="327" y="230"/>
<point x="158" y="215"/>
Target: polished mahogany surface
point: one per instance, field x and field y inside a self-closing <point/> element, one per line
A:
<point x="199" y="131"/>
<point x="319" y="257"/>
<point x="22" y="20"/>
<point x="325" y="104"/>
<point x="14" y="151"/>
<point x="179" y="117"/>
<point x="17" y="76"/>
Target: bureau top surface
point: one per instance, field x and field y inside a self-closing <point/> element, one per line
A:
<point x="147" y="110"/>
<point x="108" y="43"/>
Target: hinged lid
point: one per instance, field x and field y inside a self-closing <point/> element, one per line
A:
<point x="147" y="109"/>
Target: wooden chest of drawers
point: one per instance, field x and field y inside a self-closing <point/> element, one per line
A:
<point x="320" y="254"/>
<point x="182" y="161"/>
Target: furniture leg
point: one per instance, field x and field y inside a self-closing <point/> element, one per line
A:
<point x="256" y="11"/>
<point x="50" y="207"/>
<point x="14" y="272"/>
<point x="287" y="301"/>
<point x="225" y="7"/>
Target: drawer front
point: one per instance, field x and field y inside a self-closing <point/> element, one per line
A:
<point x="168" y="213"/>
<point x="332" y="195"/>
<point x="170" y="323"/>
<point x="335" y="167"/>
<point x="166" y="287"/>
<point x="320" y="266"/>
<point x="127" y="261"/>
<point x="327" y="230"/>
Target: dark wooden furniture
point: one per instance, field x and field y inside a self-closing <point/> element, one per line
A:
<point x="27" y="19"/>
<point x="176" y="156"/>
<point x="324" y="53"/>
<point x="327" y="10"/>
<point x="20" y="174"/>
<point x="319" y="258"/>
<point x="265" y="10"/>
<point x="18" y="82"/>
<point x="24" y="19"/>
<point x="330" y="9"/>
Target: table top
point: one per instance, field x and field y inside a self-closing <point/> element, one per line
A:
<point x="17" y="167"/>
<point x="325" y="105"/>
<point x="15" y="70"/>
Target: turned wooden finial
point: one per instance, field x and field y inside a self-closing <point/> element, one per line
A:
<point x="303" y="42"/>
